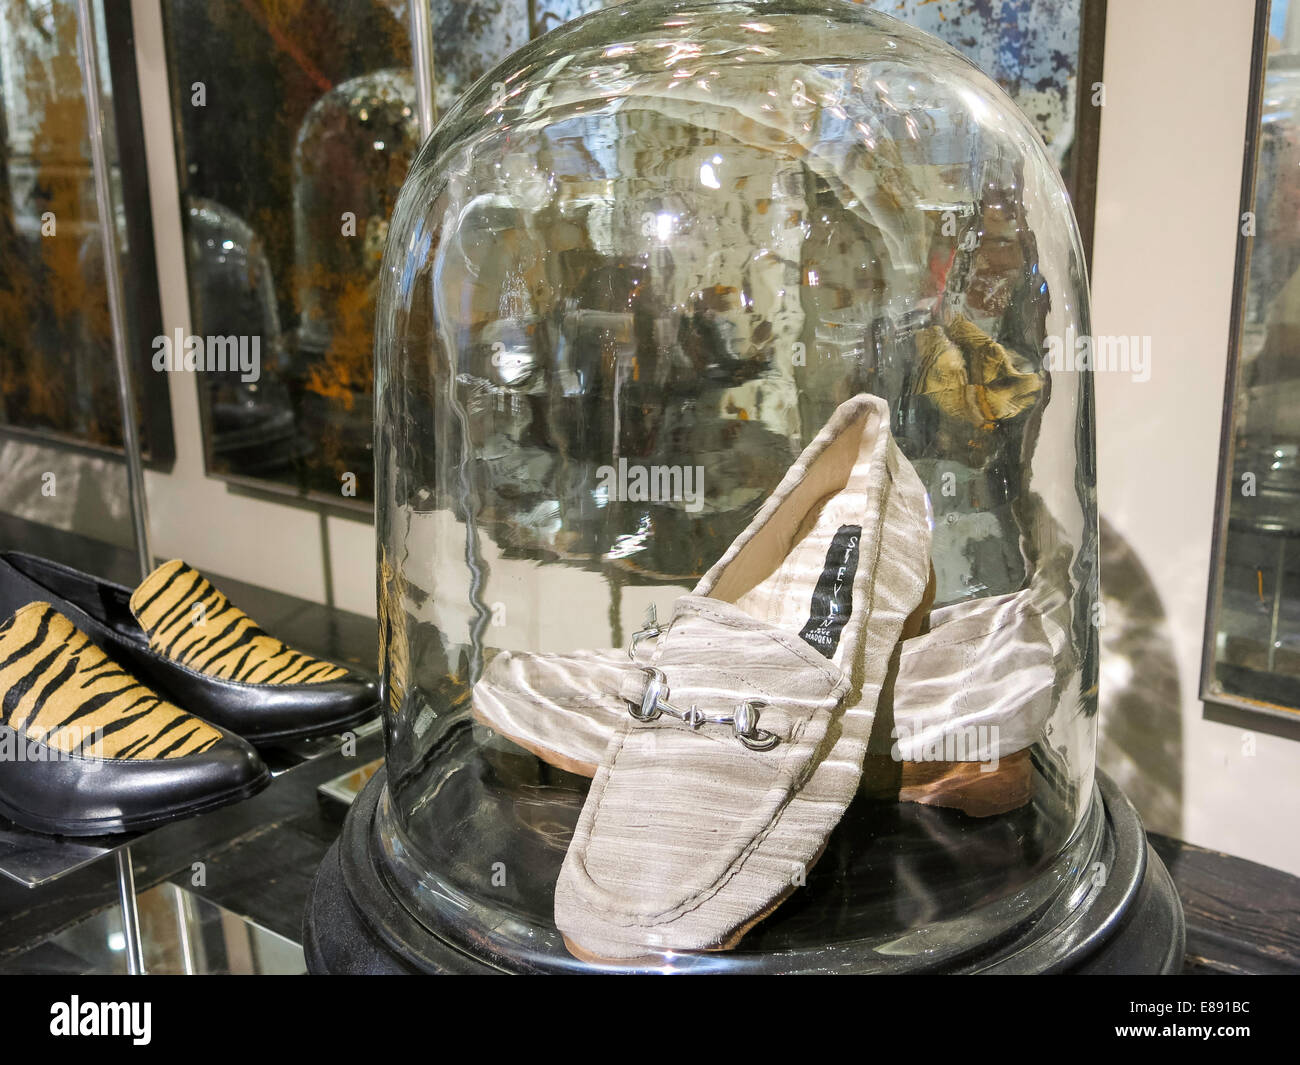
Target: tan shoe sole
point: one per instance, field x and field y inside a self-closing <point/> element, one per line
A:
<point x="964" y="786"/>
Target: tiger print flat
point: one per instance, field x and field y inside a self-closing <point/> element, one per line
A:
<point x="179" y="633"/>
<point x="87" y="750"/>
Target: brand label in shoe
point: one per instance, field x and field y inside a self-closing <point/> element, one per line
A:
<point x="832" y="599"/>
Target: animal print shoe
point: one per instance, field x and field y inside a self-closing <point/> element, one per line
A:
<point x="87" y="750"/>
<point x="181" y="634"/>
<point x="749" y="724"/>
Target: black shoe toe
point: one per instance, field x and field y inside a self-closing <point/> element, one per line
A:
<point x="48" y="791"/>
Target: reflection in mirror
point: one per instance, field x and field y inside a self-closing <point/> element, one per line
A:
<point x="288" y="198"/>
<point x="57" y="379"/>
<point x="1252" y="655"/>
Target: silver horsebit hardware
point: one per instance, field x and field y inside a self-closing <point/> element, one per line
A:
<point x="744" y="722"/>
<point x="652" y="631"/>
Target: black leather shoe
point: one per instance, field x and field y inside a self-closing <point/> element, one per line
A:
<point x="181" y="635"/>
<point x="87" y="750"/>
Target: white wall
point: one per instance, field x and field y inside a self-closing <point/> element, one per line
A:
<point x="1176" y="80"/>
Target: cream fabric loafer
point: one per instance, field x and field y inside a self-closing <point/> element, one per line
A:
<point x="977" y="687"/>
<point x="970" y="696"/>
<point x="562" y="707"/>
<point x="753" y="713"/>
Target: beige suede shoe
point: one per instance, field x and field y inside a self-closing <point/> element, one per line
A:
<point x="749" y="723"/>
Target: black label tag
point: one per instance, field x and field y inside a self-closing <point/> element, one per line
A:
<point x="832" y="599"/>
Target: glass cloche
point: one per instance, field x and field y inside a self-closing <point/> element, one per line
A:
<point x="735" y="502"/>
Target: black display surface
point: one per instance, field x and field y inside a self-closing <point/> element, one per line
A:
<point x="1131" y="923"/>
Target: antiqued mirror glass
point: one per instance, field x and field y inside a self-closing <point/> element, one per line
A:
<point x="57" y="378"/>
<point x="1252" y="650"/>
<point x="62" y="475"/>
<point x="286" y="199"/>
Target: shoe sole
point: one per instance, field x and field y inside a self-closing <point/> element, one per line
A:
<point x="551" y="758"/>
<point x="963" y="786"/>
<point x="268" y="739"/>
<point x="117" y="825"/>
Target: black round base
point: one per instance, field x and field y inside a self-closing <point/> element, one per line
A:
<point x="1133" y="924"/>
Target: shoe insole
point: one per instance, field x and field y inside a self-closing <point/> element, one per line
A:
<point x="810" y="591"/>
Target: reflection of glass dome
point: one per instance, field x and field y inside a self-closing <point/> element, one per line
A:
<point x="353" y="150"/>
<point x="667" y="241"/>
<point x="236" y="288"/>
<point x="351" y="155"/>
<point x="252" y="423"/>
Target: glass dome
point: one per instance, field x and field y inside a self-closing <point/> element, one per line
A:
<point x="735" y="503"/>
<point x="358" y="136"/>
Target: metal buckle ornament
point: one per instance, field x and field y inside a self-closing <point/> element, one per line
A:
<point x="651" y="631"/>
<point x="744" y="722"/>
